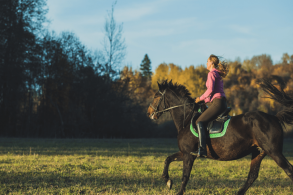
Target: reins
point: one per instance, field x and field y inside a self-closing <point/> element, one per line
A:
<point x="170" y="108"/>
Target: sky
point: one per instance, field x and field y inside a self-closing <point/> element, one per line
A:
<point x="182" y="32"/>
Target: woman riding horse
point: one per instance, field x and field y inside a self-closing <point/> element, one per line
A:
<point x="214" y="94"/>
<point x="256" y="133"/>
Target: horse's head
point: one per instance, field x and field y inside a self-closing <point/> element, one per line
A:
<point x="178" y="96"/>
<point x="157" y="105"/>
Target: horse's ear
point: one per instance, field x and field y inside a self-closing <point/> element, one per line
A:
<point x="159" y="85"/>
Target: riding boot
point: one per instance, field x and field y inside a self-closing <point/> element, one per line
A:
<point x="202" y="151"/>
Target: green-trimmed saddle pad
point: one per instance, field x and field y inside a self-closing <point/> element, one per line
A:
<point x="214" y="135"/>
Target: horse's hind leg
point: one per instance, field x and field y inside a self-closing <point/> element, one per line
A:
<point x="256" y="159"/>
<point x="274" y="148"/>
<point x="174" y="157"/>
<point x="280" y="159"/>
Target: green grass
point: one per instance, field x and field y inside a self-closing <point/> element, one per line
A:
<point x="117" y="166"/>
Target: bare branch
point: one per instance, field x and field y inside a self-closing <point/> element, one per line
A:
<point x="113" y="44"/>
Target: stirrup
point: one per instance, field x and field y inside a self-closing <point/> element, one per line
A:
<point x="194" y="153"/>
<point x="202" y="152"/>
<point x="202" y="155"/>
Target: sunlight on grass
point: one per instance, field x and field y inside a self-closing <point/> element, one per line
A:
<point x="114" y="166"/>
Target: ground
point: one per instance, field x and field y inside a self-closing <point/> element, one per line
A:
<point x="124" y="166"/>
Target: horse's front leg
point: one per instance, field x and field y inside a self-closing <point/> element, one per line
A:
<point x="174" y="157"/>
<point x="188" y="160"/>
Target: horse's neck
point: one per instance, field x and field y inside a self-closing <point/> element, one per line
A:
<point x="177" y="114"/>
<point x="176" y="118"/>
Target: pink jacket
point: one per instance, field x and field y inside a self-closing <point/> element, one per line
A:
<point x="215" y="88"/>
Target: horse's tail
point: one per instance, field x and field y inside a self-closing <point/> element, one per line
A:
<point x="286" y="115"/>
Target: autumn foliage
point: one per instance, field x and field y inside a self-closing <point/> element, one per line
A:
<point x="53" y="86"/>
<point x="193" y="78"/>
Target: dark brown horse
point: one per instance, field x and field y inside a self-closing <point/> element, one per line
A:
<point x="255" y="133"/>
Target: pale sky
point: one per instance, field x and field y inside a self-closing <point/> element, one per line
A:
<point x="183" y="32"/>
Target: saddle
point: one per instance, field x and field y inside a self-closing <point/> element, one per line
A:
<point x="215" y="127"/>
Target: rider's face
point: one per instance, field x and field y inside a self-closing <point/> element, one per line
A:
<point x="209" y="64"/>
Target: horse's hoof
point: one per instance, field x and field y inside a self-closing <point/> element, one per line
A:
<point x="169" y="184"/>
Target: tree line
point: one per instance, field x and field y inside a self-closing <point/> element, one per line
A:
<point x="53" y="86"/>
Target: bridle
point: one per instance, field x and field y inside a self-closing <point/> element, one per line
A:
<point x="162" y="98"/>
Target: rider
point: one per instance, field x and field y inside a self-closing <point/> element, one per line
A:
<point x="214" y="94"/>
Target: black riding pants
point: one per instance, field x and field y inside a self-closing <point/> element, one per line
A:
<point x="219" y="105"/>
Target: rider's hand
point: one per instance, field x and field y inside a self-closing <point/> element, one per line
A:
<point x="197" y="100"/>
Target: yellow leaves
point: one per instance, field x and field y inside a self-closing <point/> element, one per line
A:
<point x="175" y="72"/>
<point x="193" y="78"/>
<point x="248" y="65"/>
<point x="266" y="103"/>
<point x="134" y="83"/>
<point x="254" y="84"/>
<point x="279" y="70"/>
<point x="262" y="108"/>
<point x="234" y="68"/>
<point x="161" y="74"/>
<point x="134" y="78"/>
<point x="126" y="73"/>
<point x="289" y="86"/>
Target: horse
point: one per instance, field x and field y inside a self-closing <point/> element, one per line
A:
<point x="256" y="133"/>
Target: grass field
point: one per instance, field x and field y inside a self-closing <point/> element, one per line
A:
<point x="117" y="166"/>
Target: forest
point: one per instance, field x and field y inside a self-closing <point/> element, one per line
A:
<point x="52" y="86"/>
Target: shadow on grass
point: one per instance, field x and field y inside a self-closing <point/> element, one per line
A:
<point x="94" y="147"/>
<point x="99" y="147"/>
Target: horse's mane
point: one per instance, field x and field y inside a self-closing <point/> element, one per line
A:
<point x="179" y="89"/>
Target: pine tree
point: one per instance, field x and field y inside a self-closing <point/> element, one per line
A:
<point x="145" y="67"/>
